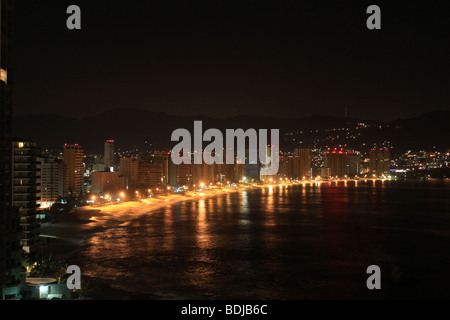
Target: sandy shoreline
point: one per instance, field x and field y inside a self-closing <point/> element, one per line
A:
<point x="67" y="238"/>
<point x="70" y="232"/>
<point x="64" y="237"/>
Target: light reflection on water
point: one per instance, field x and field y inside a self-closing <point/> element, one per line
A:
<point x="281" y="242"/>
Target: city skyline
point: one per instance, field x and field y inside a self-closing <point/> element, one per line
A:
<point x="224" y="151"/>
<point x="145" y="130"/>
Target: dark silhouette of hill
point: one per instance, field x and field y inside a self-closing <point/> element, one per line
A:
<point x="426" y="131"/>
<point x="133" y="128"/>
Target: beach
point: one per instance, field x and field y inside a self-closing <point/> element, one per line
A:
<point x="66" y="235"/>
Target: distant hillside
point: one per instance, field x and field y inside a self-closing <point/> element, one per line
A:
<point x="426" y="131"/>
<point x="133" y="128"/>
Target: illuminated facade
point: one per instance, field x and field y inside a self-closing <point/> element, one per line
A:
<point x="129" y="169"/>
<point x="183" y="174"/>
<point x="54" y="181"/>
<point x="303" y="162"/>
<point x="150" y="174"/>
<point x="109" y="153"/>
<point x="26" y="191"/>
<point x="105" y="181"/>
<point x="297" y="166"/>
<point x="161" y="158"/>
<point x="380" y="161"/>
<point x="341" y="163"/>
<point x="73" y="159"/>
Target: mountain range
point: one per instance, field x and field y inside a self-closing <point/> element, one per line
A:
<point x="133" y="128"/>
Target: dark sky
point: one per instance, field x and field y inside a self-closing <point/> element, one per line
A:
<point x="222" y="58"/>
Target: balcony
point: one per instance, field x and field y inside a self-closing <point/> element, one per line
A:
<point x="24" y="175"/>
<point x="24" y="190"/>
<point x="23" y="199"/>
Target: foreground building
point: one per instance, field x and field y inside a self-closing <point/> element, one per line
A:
<point x="25" y="191"/>
<point x="10" y="250"/>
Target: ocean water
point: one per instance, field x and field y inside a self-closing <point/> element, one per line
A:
<point x="280" y="242"/>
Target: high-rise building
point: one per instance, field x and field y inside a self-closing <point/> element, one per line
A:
<point x="203" y="173"/>
<point x="150" y="174"/>
<point x="172" y="171"/>
<point x="109" y="153"/>
<point x="129" y="170"/>
<point x="380" y="161"/>
<point x="184" y="175"/>
<point x="239" y="171"/>
<point x="162" y="158"/>
<point x="267" y="163"/>
<point x="342" y="163"/>
<point x="73" y="159"/>
<point x="297" y="166"/>
<point x="10" y="250"/>
<point x="106" y="181"/>
<point x="100" y="167"/>
<point x="25" y="191"/>
<point x="303" y="162"/>
<point x="54" y="182"/>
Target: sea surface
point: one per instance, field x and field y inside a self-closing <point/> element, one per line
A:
<point x="281" y="242"/>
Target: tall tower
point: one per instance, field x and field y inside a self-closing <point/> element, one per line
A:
<point x="73" y="159"/>
<point x="10" y="251"/>
<point x="380" y="161"/>
<point x="25" y="191"/>
<point x="109" y="153"/>
<point x="303" y="161"/>
<point x="53" y="180"/>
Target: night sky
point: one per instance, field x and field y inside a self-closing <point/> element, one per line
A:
<point x="223" y="58"/>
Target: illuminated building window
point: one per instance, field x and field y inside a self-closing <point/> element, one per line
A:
<point x="20" y="145"/>
<point x="3" y="76"/>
